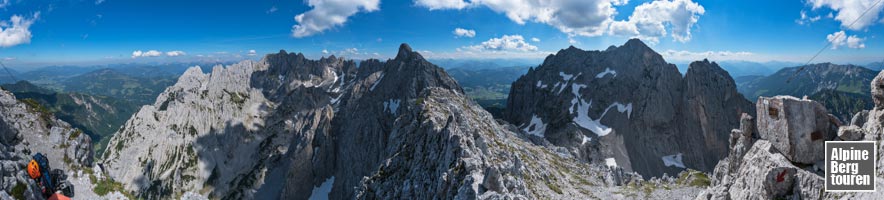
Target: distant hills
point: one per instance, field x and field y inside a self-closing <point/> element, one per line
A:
<point x="814" y="78"/>
<point x="97" y="116"/>
<point x="140" y="90"/>
<point x="843" y="89"/>
<point x="95" y="99"/>
<point x="488" y="86"/>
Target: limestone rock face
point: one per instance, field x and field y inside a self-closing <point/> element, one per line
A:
<point x="798" y="128"/>
<point x="770" y="169"/>
<point x="878" y="90"/>
<point x="288" y="127"/>
<point x="26" y="128"/>
<point x="628" y="106"/>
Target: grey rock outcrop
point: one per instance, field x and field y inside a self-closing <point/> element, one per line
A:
<point x="796" y="127"/>
<point x="767" y="171"/>
<point x="626" y="105"/>
<point x="26" y="128"/>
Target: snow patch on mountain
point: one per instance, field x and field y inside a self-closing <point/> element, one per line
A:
<point x="535" y="127"/>
<point x="610" y="162"/>
<point x="673" y="161"/>
<point x="606" y="72"/>
<point x="375" y="84"/>
<point x="321" y="192"/>
<point x="391" y="105"/>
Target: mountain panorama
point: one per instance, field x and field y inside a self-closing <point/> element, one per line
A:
<point x="620" y="123"/>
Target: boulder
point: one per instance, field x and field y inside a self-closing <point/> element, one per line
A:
<point x="878" y="91"/>
<point x="796" y="127"/>
<point x="771" y="176"/>
<point x="860" y="118"/>
<point x="850" y="133"/>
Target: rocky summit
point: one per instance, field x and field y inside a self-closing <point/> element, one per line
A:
<point x="627" y="107"/>
<point x="780" y="154"/>
<point x="288" y="127"/>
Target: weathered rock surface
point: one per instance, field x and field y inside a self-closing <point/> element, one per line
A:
<point x="628" y="107"/>
<point x="767" y="171"/>
<point x="796" y="127"/>
<point x="292" y="128"/>
<point x="26" y="128"/>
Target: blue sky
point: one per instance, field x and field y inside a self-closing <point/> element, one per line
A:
<point x="87" y="32"/>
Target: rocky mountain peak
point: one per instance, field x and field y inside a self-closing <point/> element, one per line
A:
<point x="576" y="99"/>
<point x="406" y="53"/>
<point x="636" y="43"/>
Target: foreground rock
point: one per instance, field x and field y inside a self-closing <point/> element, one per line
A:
<point x="787" y="127"/>
<point x="26" y="128"/>
<point x="796" y="127"/>
<point x="627" y="106"/>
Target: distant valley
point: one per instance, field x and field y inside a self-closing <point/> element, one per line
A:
<point x="95" y="99"/>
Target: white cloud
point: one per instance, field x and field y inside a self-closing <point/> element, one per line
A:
<point x="649" y="21"/>
<point x="534" y="39"/>
<point x="841" y="38"/>
<point x="460" y="32"/>
<point x="175" y="53"/>
<point x="8" y="59"/>
<point x="505" y="43"/>
<point x="252" y="52"/>
<point x="327" y="14"/>
<point x="594" y="17"/>
<point x="711" y="55"/>
<point x="151" y="53"/>
<point x="441" y="4"/>
<point x="807" y="19"/>
<point x="97" y="2"/>
<point x="4" y="3"/>
<point x="325" y="51"/>
<point x="350" y="51"/>
<point x="272" y="10"/>
<point x="849" y="11"/>
<point x="17" y="30"/>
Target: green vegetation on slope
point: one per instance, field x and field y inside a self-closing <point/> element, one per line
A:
<point x="97" y="116"/>
<point x="489" y="87"/>
<point x="843" y="104"/>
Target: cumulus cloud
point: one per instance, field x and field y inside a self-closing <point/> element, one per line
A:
<point x="350" y="51"/>
<point x="16" y="30"/>
<point x="649" y="21"/>
<point x="175" y="53"/>
<point x="534" y="39"/>
<point x="325" y="51"/>
<point x="712" y="55"/>
<point x="594" y="17"/>
<point x="327" y="14"/>
<point x="460" y="32"/>
<point x="805" y="19"/>
<point x="841" y="38"/>
<point x="505" y="43"/>
<point x="848" y="11"/>
<point x="441" y="4"/>
<point x="151" y="53"/>
<point x="252" y="52"/>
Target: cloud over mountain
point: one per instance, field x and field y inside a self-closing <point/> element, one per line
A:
<point x="16" y="30"/>
<point x="327" y="14"/>
<point x="591" y="18"/>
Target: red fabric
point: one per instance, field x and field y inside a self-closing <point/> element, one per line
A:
<point x="58" y="196"/>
